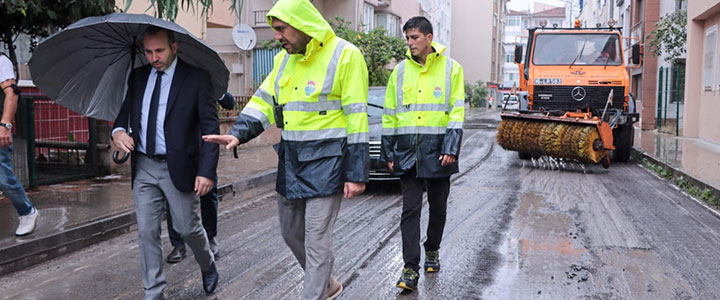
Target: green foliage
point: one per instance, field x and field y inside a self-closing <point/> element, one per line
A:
<point x="39" y="18"/>
<point x="476" y="93"/>
<point x="377" y="47"/>
<point x="669" y="36"/>
<point x="168" y="9"/>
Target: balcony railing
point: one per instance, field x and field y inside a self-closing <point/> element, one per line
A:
<point x="261" y="17"/>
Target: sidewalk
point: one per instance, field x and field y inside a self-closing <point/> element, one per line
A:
<point x="694" y="159"/>
<point x="76" y="214"/>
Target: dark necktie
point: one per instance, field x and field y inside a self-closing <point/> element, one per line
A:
<point x="152" y="116"/>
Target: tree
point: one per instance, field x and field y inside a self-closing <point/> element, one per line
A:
<point x="168" y="9"/>
<point x="38" y="18"/>
<point x="669" y="36"/>
<point x="377" y="47"/>
<point x="476" y="93"/>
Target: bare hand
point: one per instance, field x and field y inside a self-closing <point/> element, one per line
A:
<point x="447" y="159"/>
<point x="5" y="137"/>
<point x="353" y="189"/>
<point x="390" y="166"/>
<point x="225" y="139"/>
<point x="123" y="141"/>
<point x="202" y="185"/>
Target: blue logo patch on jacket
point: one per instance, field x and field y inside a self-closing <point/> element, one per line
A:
<point x="437" y="92"/>
<point x="310" y="87"/>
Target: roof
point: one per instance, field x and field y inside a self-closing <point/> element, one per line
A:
<point x="553" y="12"/>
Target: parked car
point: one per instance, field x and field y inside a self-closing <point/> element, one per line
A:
<point x="512" y="102"/>
<point x="376" y="101"/>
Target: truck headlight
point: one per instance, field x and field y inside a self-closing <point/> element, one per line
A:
<point x="543" y="81"/>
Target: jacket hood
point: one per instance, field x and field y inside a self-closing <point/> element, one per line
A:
<point x="302" y="15"/>
<point x="437" y="46"/>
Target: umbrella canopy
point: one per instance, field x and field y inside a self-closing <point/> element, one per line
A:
<point x="85" y="66"/>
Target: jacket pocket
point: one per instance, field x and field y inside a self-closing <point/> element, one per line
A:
<point x="311" y="153"/>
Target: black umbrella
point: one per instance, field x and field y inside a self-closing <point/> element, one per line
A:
<point x="85" y="66"/>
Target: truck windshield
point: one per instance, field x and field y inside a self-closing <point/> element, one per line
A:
<point x="584" y="49"/>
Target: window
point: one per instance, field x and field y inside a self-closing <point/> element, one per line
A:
<point x="709" y="58"/>
<point x="390" y="22"/>
<point x="525" y="24"/>
<point x="513" y="21"/>
<point x="368" y="17"/>
<point x="509" y="57"/>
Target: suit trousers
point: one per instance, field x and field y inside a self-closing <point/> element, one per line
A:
<point x="152" y="188"/>
<point x="307" y="226"/>
<point x="412" y="187"/>
<point x="208" y="213"/>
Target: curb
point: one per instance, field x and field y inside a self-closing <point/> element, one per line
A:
<point x="45" y="248"/>
<point x="676" y="172"/>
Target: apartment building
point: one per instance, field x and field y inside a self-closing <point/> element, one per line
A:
<point x="702" y="92"/>
<point x="480" y="48"/>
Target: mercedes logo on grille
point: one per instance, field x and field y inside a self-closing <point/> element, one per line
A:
<point x="578" y="93"/>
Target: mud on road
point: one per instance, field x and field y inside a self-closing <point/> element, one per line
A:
<point x="513" y="231"/>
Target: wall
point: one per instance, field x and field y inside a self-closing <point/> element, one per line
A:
<point x="701" y="107"/>
<point x="186" y="19"/>
<point x="473" y="48"/>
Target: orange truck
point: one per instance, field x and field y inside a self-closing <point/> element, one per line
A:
<point x="574" y="96"/>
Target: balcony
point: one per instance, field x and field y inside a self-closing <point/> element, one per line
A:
<point x="261" y="18"/>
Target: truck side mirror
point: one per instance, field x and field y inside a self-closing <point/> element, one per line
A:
<point x="635" y="58"/>
<point x="518" y="54"/>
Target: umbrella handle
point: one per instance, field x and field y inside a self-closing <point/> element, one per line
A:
<point x="121" y="159"/>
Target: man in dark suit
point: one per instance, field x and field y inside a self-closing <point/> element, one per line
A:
<point x="169" y="107"/>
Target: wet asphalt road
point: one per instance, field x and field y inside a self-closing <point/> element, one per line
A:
<point x="513" y="232"/>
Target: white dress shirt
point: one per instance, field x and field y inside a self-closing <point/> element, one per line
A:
<point x="162" y="108"/>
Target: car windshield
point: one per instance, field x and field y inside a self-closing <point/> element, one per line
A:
<point x="376" y="100"/>
<point x="577" y="49"/>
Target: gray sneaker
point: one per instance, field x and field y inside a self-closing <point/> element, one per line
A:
<point x="27" y="223"/>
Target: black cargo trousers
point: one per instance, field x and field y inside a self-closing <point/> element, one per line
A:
<point x="412" y="190"/>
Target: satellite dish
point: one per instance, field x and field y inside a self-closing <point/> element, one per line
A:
<point x="425" y="5"/>
<point x="244" y="36"/>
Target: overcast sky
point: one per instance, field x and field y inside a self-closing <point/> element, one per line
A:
<point x="525" y="4"/>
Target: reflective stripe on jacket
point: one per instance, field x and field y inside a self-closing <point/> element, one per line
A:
<point x="324" y="96"/>
<point x="424" y="114"/>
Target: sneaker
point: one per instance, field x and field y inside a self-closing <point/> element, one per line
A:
<point x="432" y="261"/>
<point x="334" y="289"/>
<point x="27" y="223"/>
<point x="408" y="280"/>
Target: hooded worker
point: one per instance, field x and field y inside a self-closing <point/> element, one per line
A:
<point x="317" y="94"/>
<point x="421" y="137"/>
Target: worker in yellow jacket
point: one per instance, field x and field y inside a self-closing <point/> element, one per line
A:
<point x="422" y="132"/>
<point x="317" y="93"/>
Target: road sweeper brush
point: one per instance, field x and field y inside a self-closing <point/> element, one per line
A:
<point x="572" y="136"/>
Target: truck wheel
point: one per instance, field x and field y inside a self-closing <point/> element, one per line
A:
<point x="523" y="155"/>
<point x="623" y="136"/>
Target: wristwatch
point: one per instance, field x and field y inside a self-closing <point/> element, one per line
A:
<point x="6" y="125"/>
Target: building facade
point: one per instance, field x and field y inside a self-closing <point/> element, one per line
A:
<point x="702" y="91"/>
<point x="480" y="49"/>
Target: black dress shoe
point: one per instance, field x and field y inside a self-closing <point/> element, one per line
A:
<point x="210" y="279"/>
<point x="176" y="255"/>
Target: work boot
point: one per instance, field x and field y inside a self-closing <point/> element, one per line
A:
<point x="27" y="223"/>
<point x="176" y="255"/>
<point x="432" y="261"/>
<point x="333" y="290"/>
<point x="408" y="280"/>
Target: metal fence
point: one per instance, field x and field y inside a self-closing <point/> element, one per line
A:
<point x="261" y="17"/>
<point x="240" y="102"/>
<point x="60" y="145"/>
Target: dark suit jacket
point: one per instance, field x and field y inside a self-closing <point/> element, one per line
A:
<point x="191" y="112"/>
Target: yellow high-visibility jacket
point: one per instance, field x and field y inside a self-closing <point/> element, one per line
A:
<point x="424" y="114"/>
<point x="324" y="97"/>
